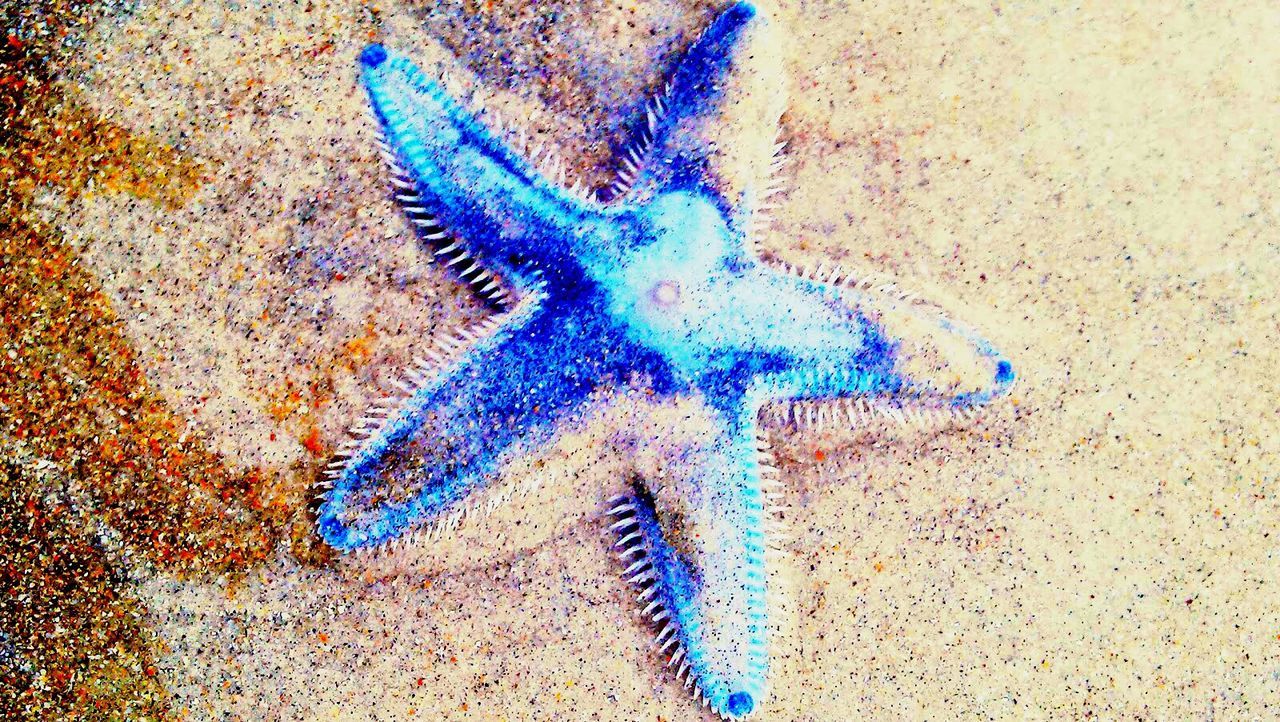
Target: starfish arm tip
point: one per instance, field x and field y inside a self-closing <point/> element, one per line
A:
<point x="1004" y="373"/>
<point x="373" y="55"/>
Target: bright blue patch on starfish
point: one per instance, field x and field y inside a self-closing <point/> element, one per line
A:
<point x="660" y="287"/>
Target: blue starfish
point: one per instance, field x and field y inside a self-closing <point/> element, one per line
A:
<point x="654" y="284"/>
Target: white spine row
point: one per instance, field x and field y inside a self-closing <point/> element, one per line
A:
<point x="635" y="157"/>
<point x="860" y="412"/>
<point x="633" y="552"/>
<point x="470" y="510"/>
<point x="448" y="250"/>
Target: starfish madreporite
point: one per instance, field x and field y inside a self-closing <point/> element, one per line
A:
<point x="660" y="286"/>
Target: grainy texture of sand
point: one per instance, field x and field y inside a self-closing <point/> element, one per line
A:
<point x="1095" y="185"/>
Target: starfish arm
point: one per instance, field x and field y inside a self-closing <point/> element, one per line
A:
<point x="715" y="129"/>
<point x="451" y="432"/>
<point x="821" y="337"/>
<point x="459" y="179"/>
<point x="695" y="545"/>
<point x="834" y="338"/>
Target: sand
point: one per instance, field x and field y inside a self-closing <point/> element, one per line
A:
<point x="1095" y="186"/>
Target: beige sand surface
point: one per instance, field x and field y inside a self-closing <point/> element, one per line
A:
<point x="1095" y="183"/>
